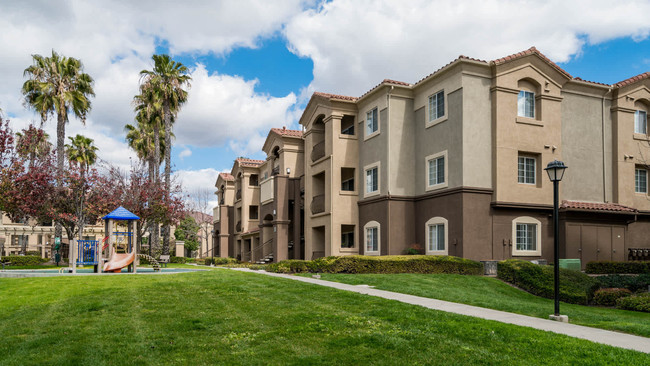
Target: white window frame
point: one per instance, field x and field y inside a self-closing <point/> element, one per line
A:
<point x="445" y="183"/>
<point x="433" y="116"/>
<point x="436" y="221"/>
<point x="375" y="165"/>
<point x="366" y="227"/>
<point x="636" y="181"/>
<point x="527" y="220"/>
<point x="369" y="134"/>
<point x="527" y="157"/>
<point x="641" y="128"/>
<point x="522" y="99"/>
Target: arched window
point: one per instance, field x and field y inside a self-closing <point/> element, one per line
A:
<point x="372" y="238"/>
<point x="526" y="236"/>
<point x="528" y="90"/>
<point x="437" y="236"/>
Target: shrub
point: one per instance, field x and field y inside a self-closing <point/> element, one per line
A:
<point x="177" y="260"/>
<point x="220" y="261"/>
<point x="383" y="264"/>
<point x="23" y="260"/>
<point x="639" y="302"/>
<point x="33" y="252"/>
<point x="575" y="287"/>
<point x="190" y="260"/>
<point x="608" y="267"/>
<point x="608" y="296"/>
<point x="199" y="261"/>
<point x="632" y="283"/>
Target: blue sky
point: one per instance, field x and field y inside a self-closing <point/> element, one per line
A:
<point x="255" y="63"/>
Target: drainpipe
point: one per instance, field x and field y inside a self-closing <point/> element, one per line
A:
<point x="604" y="156"/>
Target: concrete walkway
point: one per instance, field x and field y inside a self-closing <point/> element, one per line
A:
<point x="607" y="337"/>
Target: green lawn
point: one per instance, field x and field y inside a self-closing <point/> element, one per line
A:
<point x="494" y="294"/>
<point x="229" y="317"/>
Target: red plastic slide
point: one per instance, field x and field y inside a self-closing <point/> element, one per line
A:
<point x="119" y="261"/>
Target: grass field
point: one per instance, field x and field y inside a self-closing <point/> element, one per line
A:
<point x="494" y="294"/>
<point x="229" y="317"/>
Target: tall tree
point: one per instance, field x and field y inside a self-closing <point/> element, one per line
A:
<point x="83" y="154"/>
<point x="168" y="81"/>
<point x="58" y="86"/>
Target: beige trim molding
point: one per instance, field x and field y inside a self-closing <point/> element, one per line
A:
<point x="435" y="221"/>
<point x="538" y="239"/>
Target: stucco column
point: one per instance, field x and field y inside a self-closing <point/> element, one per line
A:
<point x="281" y="241"/>
<point x="223" y="246"/>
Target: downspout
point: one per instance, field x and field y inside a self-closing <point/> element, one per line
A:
<point x="389" y="224"/>
<point x="603" y="138"/>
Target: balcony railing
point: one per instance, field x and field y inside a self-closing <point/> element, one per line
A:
<point x="238" y="194"/>
<point x="275" y="171"/>
<point x="238" y="227"/>
<point x="318" y="204"/>
<point x="318" y="151"/>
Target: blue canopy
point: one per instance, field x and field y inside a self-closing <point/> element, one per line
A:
<point x="121" y="213"/>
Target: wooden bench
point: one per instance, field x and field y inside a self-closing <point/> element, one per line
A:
<point x="164" y="259"/>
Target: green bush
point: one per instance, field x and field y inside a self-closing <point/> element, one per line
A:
<point x="177" y="260"/>
<point x="383" y="264"/>
<point x="575" y="287"/>
<point x="23" y="260"/>
<point x="190" y="260"/>
<point x="200" y="261"/>
<point x="33" y="252"/>
<point x="608" y="267"/>
<point x="632" y="283"/>
<point x="220" y="261"/>
<point x="608" y="296"/>
<point x="639" y="302"/>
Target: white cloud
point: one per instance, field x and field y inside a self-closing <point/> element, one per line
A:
<point x="356" y="44"/>
<point x="194" y="181"/>
<point x="224" y="108"/>
<point x="185" y="153"/>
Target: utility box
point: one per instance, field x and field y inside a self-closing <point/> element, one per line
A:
<point x="572" y="264"/>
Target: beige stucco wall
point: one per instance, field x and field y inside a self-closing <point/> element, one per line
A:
<point x="477" y="128"/>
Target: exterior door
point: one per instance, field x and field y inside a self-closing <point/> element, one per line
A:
<point x="604" y="251"/>
<point x="618" y="244"/>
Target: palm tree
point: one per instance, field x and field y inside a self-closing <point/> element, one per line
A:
<point x="58" y="86"/>
<point x="81" y="151"/>
<point x="167" y="81"/>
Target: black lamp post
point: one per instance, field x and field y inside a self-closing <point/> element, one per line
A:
<point x="555" y="170"/>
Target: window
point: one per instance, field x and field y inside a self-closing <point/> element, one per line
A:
<point x="253" y="180"/>
<point x="526" y="237"/>
<point x="347" y="179"/>
<point x="253" y="212"/>
<point x="372" y="183"/>
<point x="372" y="122"/>
<point x="526" y="104"/>
<point x="437" y="105"/>
<point x="641" y="181"/>
<point x="436" y="236"/>
<point x="437" y="171"/>
<point x="640" y="122"/>
<point x="347" y="236"/>
<point x="347" y="125"/>
<point x="526" y="170"/>
<point x="372" y="239"/>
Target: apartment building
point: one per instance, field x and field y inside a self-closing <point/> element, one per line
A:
<point x="453" y="164"/>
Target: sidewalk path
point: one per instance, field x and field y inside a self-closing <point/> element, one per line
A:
<point x="607" y="337"/>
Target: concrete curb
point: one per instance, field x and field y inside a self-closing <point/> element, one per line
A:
<point x="616" y="339"/>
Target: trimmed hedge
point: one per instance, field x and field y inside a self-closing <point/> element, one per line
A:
<point x="609" y="267"/>
<point x="177" y="260"/>
<point x="23" y="260"/>
<point x="608" y="296"/>
<point x="220" y="261"/>
<point x="639" y="302"/>
<point x="575" y="287"/>
<point x="382" y="264"/>
<point x="632" y="283"/>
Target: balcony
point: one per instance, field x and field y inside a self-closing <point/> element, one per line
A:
<point x="275" y="171"/>
<point x="238" y="194"/>
<point x="266" y="191"/>
<point x="318" y="204"/>
<point x="238" y="227"/>
<point x="318" y="151"/>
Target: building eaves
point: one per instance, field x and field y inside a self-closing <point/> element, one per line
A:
<point x="287" y="133"/>
<point x="459" y="58"/>
<point x="633" y="79"/>
<point x="596" y="206"/>
<point x="250" y="162"/>
<point x="227" y="176"/>
<point x="336" y="96"/>
<point x="528" y="52"/>
<point x="385" y="82"/>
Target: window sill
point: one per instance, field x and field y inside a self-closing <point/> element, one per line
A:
<point x="348" y="193"/>
<point x="438" y="252"/>
<point x="348" y="250"/>
<point x="437" y="186"/>
<point x="371" y="253"/>
<point x="529" y="121"/>
<point x="527" y="254"/>
<point x="347" y="137"/>
<point x="436" y="121"/>
<point x="371" y="194"/>
<point x="368" y="137"/>
<point x="641" y="137"/>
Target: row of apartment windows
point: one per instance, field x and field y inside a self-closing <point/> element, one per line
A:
<point x="526" y="233"/>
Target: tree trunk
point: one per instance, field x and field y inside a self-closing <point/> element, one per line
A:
<point x="152" y="225"/>
<point x="60" y="158"/>
<point x="168" y="166"/>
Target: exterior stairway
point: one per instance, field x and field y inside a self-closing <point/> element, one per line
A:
<point x="267" y="259"/>
<point x="152" y="260"/>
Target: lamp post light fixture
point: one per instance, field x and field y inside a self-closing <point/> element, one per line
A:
<point x="555" y="171"/>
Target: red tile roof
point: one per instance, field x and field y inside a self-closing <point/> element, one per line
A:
<point x="250" y="162"/>
<point x="596" y="206"/>
<point x="590" y="82"/>
<point x="288" y="133"/>
<point x="227" y="176"/>
<point x="336" y="96"/>
<point x="461" y="57"/>
<point x="383" y="82"/>
<point x="529" y="52"/>
<point x="633" y="79"/>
